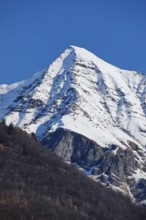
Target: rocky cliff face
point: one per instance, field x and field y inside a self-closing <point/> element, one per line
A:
<point x="113" y="166"/>
<point x="90" y="113"/>
<point x="74" y="147"/>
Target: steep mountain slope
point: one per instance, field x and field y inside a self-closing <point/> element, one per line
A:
<point x="36" y="184"/>
<point x="89" y="112"/>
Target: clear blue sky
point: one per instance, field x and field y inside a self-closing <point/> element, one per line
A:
<point x="34" y="32"/>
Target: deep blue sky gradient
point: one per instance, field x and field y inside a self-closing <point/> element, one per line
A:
<point x="34" y="32"/>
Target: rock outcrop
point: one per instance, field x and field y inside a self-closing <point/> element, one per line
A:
<point x="113" y="166"/>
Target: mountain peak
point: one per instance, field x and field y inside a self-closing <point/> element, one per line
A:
<point x="80" y="93"/>
<point x="79" y="83"/>
<point x="88" y="56"/>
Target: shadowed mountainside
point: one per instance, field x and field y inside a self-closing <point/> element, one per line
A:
<point x="36" y="184"/>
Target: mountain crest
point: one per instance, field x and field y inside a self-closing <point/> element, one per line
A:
<point x="84" y="95"/>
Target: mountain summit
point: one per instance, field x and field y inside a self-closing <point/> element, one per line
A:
<point x="90" y="113"/>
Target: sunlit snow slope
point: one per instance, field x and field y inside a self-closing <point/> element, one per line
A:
<point x="84" y="94"/>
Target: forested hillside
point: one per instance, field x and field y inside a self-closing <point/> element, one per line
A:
<point x="36" y="184"/>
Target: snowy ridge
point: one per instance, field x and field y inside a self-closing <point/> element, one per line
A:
<point x="82" y="93"/>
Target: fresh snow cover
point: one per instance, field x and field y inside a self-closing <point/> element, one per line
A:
<point x="139" y="173"/>
<point x="82" y="93"/>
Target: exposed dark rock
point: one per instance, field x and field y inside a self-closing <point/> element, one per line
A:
<point x="139" y="190"/>
<point x="112" y="165"/>
<point x="34" y="103"/>
<point x="74" y="147"/>
<point x="121" y="164"/>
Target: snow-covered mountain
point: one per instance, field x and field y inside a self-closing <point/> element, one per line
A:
<point x="89" y="112"/>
